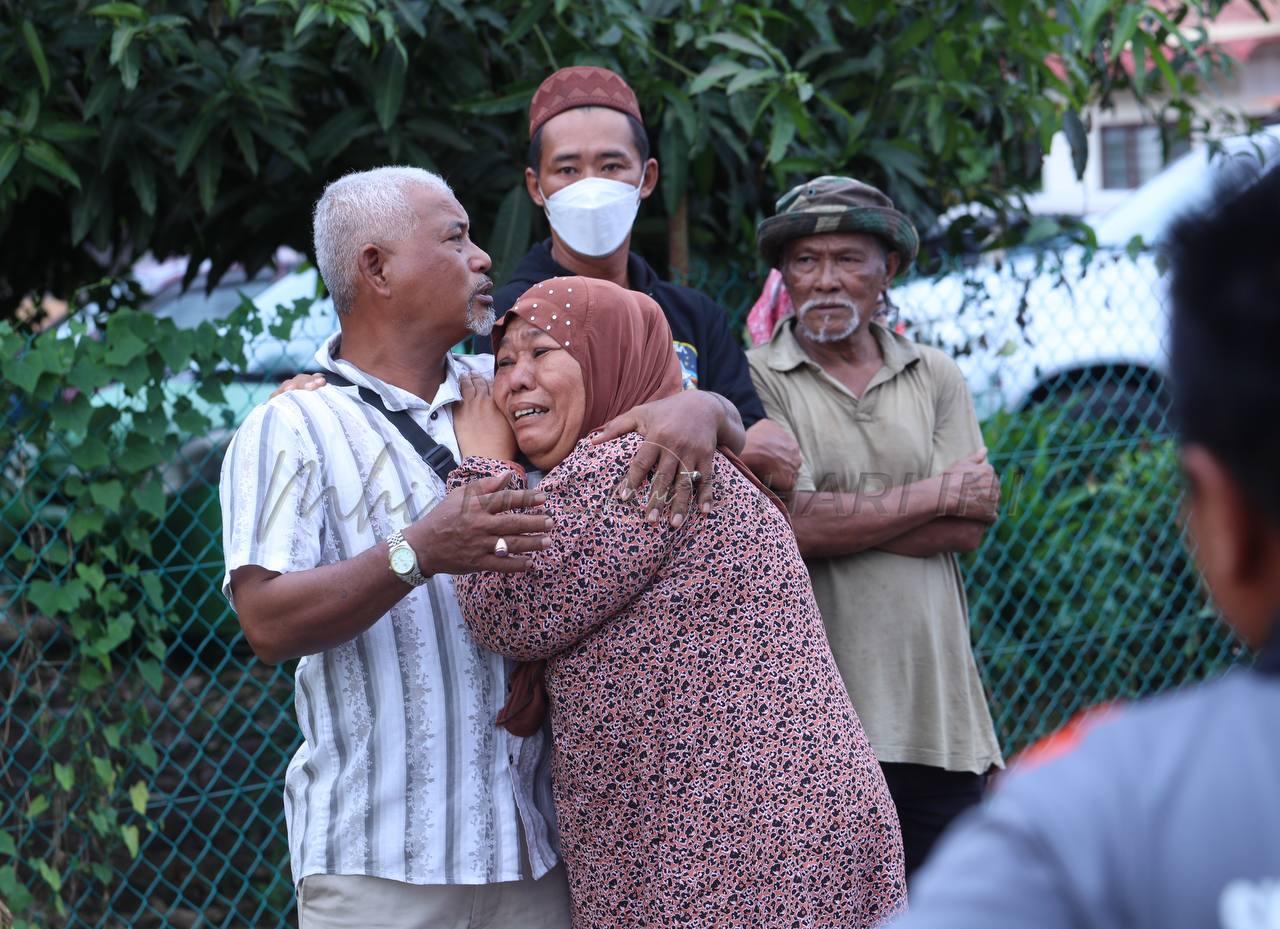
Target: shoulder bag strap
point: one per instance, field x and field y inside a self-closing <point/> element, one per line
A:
<point x="437" y="456"/>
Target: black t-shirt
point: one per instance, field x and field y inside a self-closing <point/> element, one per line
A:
<point x="711" y="357"/>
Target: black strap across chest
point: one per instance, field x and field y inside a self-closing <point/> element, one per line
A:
<point x="437" y="456"/>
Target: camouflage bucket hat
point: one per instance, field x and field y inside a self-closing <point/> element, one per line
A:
<point x="836" y="204"/>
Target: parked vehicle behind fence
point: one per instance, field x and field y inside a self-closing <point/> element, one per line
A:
<point x="1076" y="324"/>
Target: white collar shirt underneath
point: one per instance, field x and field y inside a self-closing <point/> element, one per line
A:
<point x="402" y="773"/>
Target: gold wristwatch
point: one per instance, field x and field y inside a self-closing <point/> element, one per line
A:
<point x="404" y="560"/>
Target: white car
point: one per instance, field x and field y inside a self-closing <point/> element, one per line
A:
<point x="1028" y="325"/>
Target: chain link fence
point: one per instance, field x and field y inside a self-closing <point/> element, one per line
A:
<point x="1082" y="593"/>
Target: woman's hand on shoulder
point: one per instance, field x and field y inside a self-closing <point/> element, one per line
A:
<point x="478" y="423"/>
<point x="299" y="382"/>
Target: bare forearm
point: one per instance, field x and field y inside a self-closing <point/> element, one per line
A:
<point x="829" y="524"/>
<point x="944" y="534"/>
<point x="304" y="612"/>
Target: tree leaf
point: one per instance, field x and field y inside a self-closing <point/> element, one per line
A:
<point x="131" y="838"/>
<point x="675" y="156"/>
<point x="37" y="52"/>
<point x="749" y="78"/>
<point x="129" y="68"/>
<point x="152" y="674"/>
<point x="30" y="111"/>
<point x="102" y="97"/>
<point x="107" y="494"/>
<point x="208" y="171"/>
<point x="338" y="132"/>
<point x="248" y="151"/>
<point x="192" y="139"/>
<point x="1078" y="139"/>
<point x="307" y="17"/>
<point x="65" y="775"/>
<point x="780" y="138"/>
<point x="389" y="92"/>
<point x="10" y="152"/>
<point x="126" y="10"/>
<point x="138" y="796"/>
<point x="120" y="41"/>
<point x="512" y="231"/>
<point x="143" y="181"/>
<point x="712" y="75"/>
<point x="737" y="43"/>
<point x="1094" y="10"/>
<point x="1125" y="28"/>
<point x="47" y="159"/>
<point x="359" y="27"/>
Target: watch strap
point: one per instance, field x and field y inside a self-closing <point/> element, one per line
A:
<point x="414" y="577"/>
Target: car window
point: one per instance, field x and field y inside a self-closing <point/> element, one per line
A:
<point x="194" y="307"/>
<point x="1186" y="184"/>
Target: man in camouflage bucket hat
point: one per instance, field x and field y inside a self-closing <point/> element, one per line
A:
<point x="895" y="482"/>
<point x="837" y="204"/>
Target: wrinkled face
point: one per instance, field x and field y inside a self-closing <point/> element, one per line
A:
<point x="538" y="386"/>
<point x="590" y="141"/>
<point x="439" y="272"/>
<point x="835" y="281"/>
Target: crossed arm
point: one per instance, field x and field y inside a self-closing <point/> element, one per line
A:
<point x="946" y="513"/>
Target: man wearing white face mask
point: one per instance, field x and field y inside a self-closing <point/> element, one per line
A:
<point x="589" y="168"/>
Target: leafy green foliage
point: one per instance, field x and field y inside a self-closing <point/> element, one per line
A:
<point x="209" y="129"/>
<point x="1084" y="591"/>
<point x="90" y="415"/>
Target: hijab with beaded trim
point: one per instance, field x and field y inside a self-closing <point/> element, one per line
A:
<point x="619" y="337"/>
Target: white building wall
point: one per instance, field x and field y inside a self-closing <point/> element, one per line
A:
<point x="1254" y="90"/>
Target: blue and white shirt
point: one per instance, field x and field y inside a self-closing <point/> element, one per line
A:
<point x="402" y="773"/>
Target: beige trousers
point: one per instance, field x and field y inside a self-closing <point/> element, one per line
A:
<point x="350" y="901"/>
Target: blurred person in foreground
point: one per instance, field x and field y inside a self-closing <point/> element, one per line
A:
<point x="1167" y="815"/>
<point x="589" y="168"/>
<point x="406" y="807"/>
<point x="895" y="483"/>
<point x="708" y="767"/>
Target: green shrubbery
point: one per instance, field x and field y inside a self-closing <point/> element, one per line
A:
<point x="1084" y="591"/>
<point x="91" y="418"/>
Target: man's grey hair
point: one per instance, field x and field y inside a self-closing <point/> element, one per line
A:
<point x="359" y="208"/>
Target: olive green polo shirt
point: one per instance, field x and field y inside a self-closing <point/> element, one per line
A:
<point x="898" y="626"/>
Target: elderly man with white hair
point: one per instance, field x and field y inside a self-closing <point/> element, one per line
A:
<point x="406" y="805"/>
<point x="895" y="483"/>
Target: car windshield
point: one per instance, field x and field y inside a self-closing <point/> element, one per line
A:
<point x="194" y="307"/>
<point x="1183" y="186"/>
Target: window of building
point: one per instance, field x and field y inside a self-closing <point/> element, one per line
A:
<point x="1132" y="155"/>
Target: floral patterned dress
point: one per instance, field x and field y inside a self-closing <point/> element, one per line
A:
<point x="708" y="768"/>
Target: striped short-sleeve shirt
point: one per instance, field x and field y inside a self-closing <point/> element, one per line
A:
<point x="402" y="773"/>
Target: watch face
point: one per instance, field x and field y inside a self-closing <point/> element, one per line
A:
<point x="402" y="559"/>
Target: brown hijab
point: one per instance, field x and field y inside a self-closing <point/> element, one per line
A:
<point x="622" y="341"/>
<point x="619" y="337"/>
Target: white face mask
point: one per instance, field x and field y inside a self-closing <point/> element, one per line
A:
<point x="593" y="216"/>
